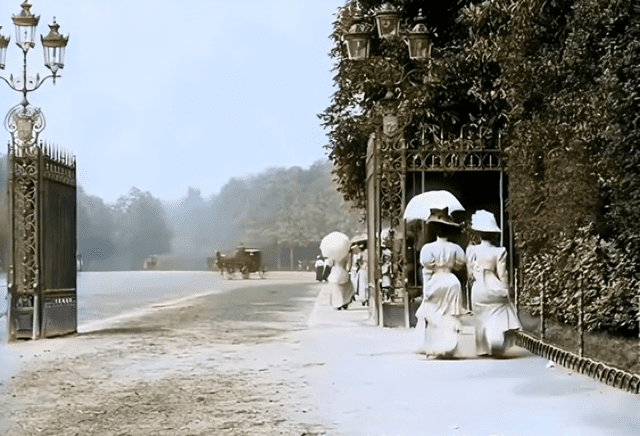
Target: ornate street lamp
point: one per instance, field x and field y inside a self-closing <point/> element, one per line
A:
<point x="418" y="40"/>
<point x="357" y="37"/>
<point x="387" y="18"/>
<point x="26" y="24"/>
<point x="23" y="121"/>
<point x="54" y="46"/>
<point x="387" y="21"/>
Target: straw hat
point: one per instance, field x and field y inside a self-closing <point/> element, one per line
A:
<point x="441" y="216"/>
<point x="484" y="221"/>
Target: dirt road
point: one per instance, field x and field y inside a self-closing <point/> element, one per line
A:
<point x="212" y="365"/>
<point x="272" y="357"/>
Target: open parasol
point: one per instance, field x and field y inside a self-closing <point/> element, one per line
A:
<point x="419" y="208"/>
<point x="335" y="246"/>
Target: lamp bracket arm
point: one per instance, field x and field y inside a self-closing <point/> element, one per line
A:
<point x="41" y="81"/>
<point x="10" y="84"/>
<point x="24" y="89"/>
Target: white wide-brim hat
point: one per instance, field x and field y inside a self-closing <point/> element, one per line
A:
<point x="484" y="221"/>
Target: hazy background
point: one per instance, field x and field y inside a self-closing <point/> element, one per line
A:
<point x="163" y="94"/>
<point x="194" y="126"/>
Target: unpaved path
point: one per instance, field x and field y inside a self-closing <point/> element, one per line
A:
<point x="214" y="365"/>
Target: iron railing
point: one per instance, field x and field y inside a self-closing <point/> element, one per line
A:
<point x="609" y="358"/>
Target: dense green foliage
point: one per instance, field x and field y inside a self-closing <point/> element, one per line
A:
<point x="556" y="83"/>
<point x="574" y="155"/>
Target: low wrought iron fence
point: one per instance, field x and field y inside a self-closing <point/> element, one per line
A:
<point x="611" y="358"/>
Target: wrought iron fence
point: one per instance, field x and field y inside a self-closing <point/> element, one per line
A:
<point x="613" y="359"/>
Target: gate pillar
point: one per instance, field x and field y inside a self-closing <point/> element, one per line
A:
<point x="386" y="176"/>
<point x="41" y="281"/>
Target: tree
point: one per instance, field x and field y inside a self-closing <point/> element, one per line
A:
<point x="143" y="228"/>
<point x="296" y="206"/>
<point x="460" y="97"/>
<point x="96" y="230"/>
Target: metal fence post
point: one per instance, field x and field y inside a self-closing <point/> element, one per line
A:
<point x="542" y="306"/>
<point x="580" y="318"/>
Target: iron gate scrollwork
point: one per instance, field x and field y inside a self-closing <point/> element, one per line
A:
<point x="42" y="279"/>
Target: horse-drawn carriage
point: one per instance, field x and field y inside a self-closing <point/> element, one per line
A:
<point x="245" y="261"/>
<point x="151" y="263"/>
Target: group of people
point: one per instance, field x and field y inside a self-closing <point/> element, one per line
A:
<point x="485" y="266"/>
<point x="348" y="277"/>
<point x="445" y="267"/>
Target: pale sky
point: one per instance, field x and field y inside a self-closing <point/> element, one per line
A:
<point x="167" y="94"/>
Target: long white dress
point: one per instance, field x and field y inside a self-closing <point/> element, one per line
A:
<point x="341" y="288"/>
<point x="494" y="314"/>
<point x="361" y="278"/>
<point x="442" y="297"/>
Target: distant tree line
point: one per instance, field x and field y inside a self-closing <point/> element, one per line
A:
<point x="290" y="206"/>
<point x="121" y="236"/>
<point x="116" y="236"/>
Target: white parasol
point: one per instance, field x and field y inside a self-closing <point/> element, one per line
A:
<point x="335" y="246"/>
<point x="419" y="208"/>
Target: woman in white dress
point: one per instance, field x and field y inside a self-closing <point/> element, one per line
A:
<point x="335" y="246"/>
<point x="359" y="277"/>
<point x="342" y="292"/>
<point x="494" y="315"/>
<point x="438" y="323"/>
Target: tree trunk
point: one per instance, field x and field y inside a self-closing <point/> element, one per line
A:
<point x="279" y="260"/>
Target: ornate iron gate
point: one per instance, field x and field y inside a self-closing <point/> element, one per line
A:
<point x="397" y="171"/>
<point x="42" y="205"/>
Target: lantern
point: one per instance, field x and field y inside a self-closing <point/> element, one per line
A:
<point x="357" y="37"/>
<point x="54" y="46"/>
<point x="418" y="40"/>
<point x="4" y="43"/>
<point x="387" y="20"/>
<point x="26" y="24"/>
<point x="357" y="41"/>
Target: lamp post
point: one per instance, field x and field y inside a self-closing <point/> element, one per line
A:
<point x="41" y="294"/>
<point x="386" y="165"/>
<point x="23" y="118"/>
